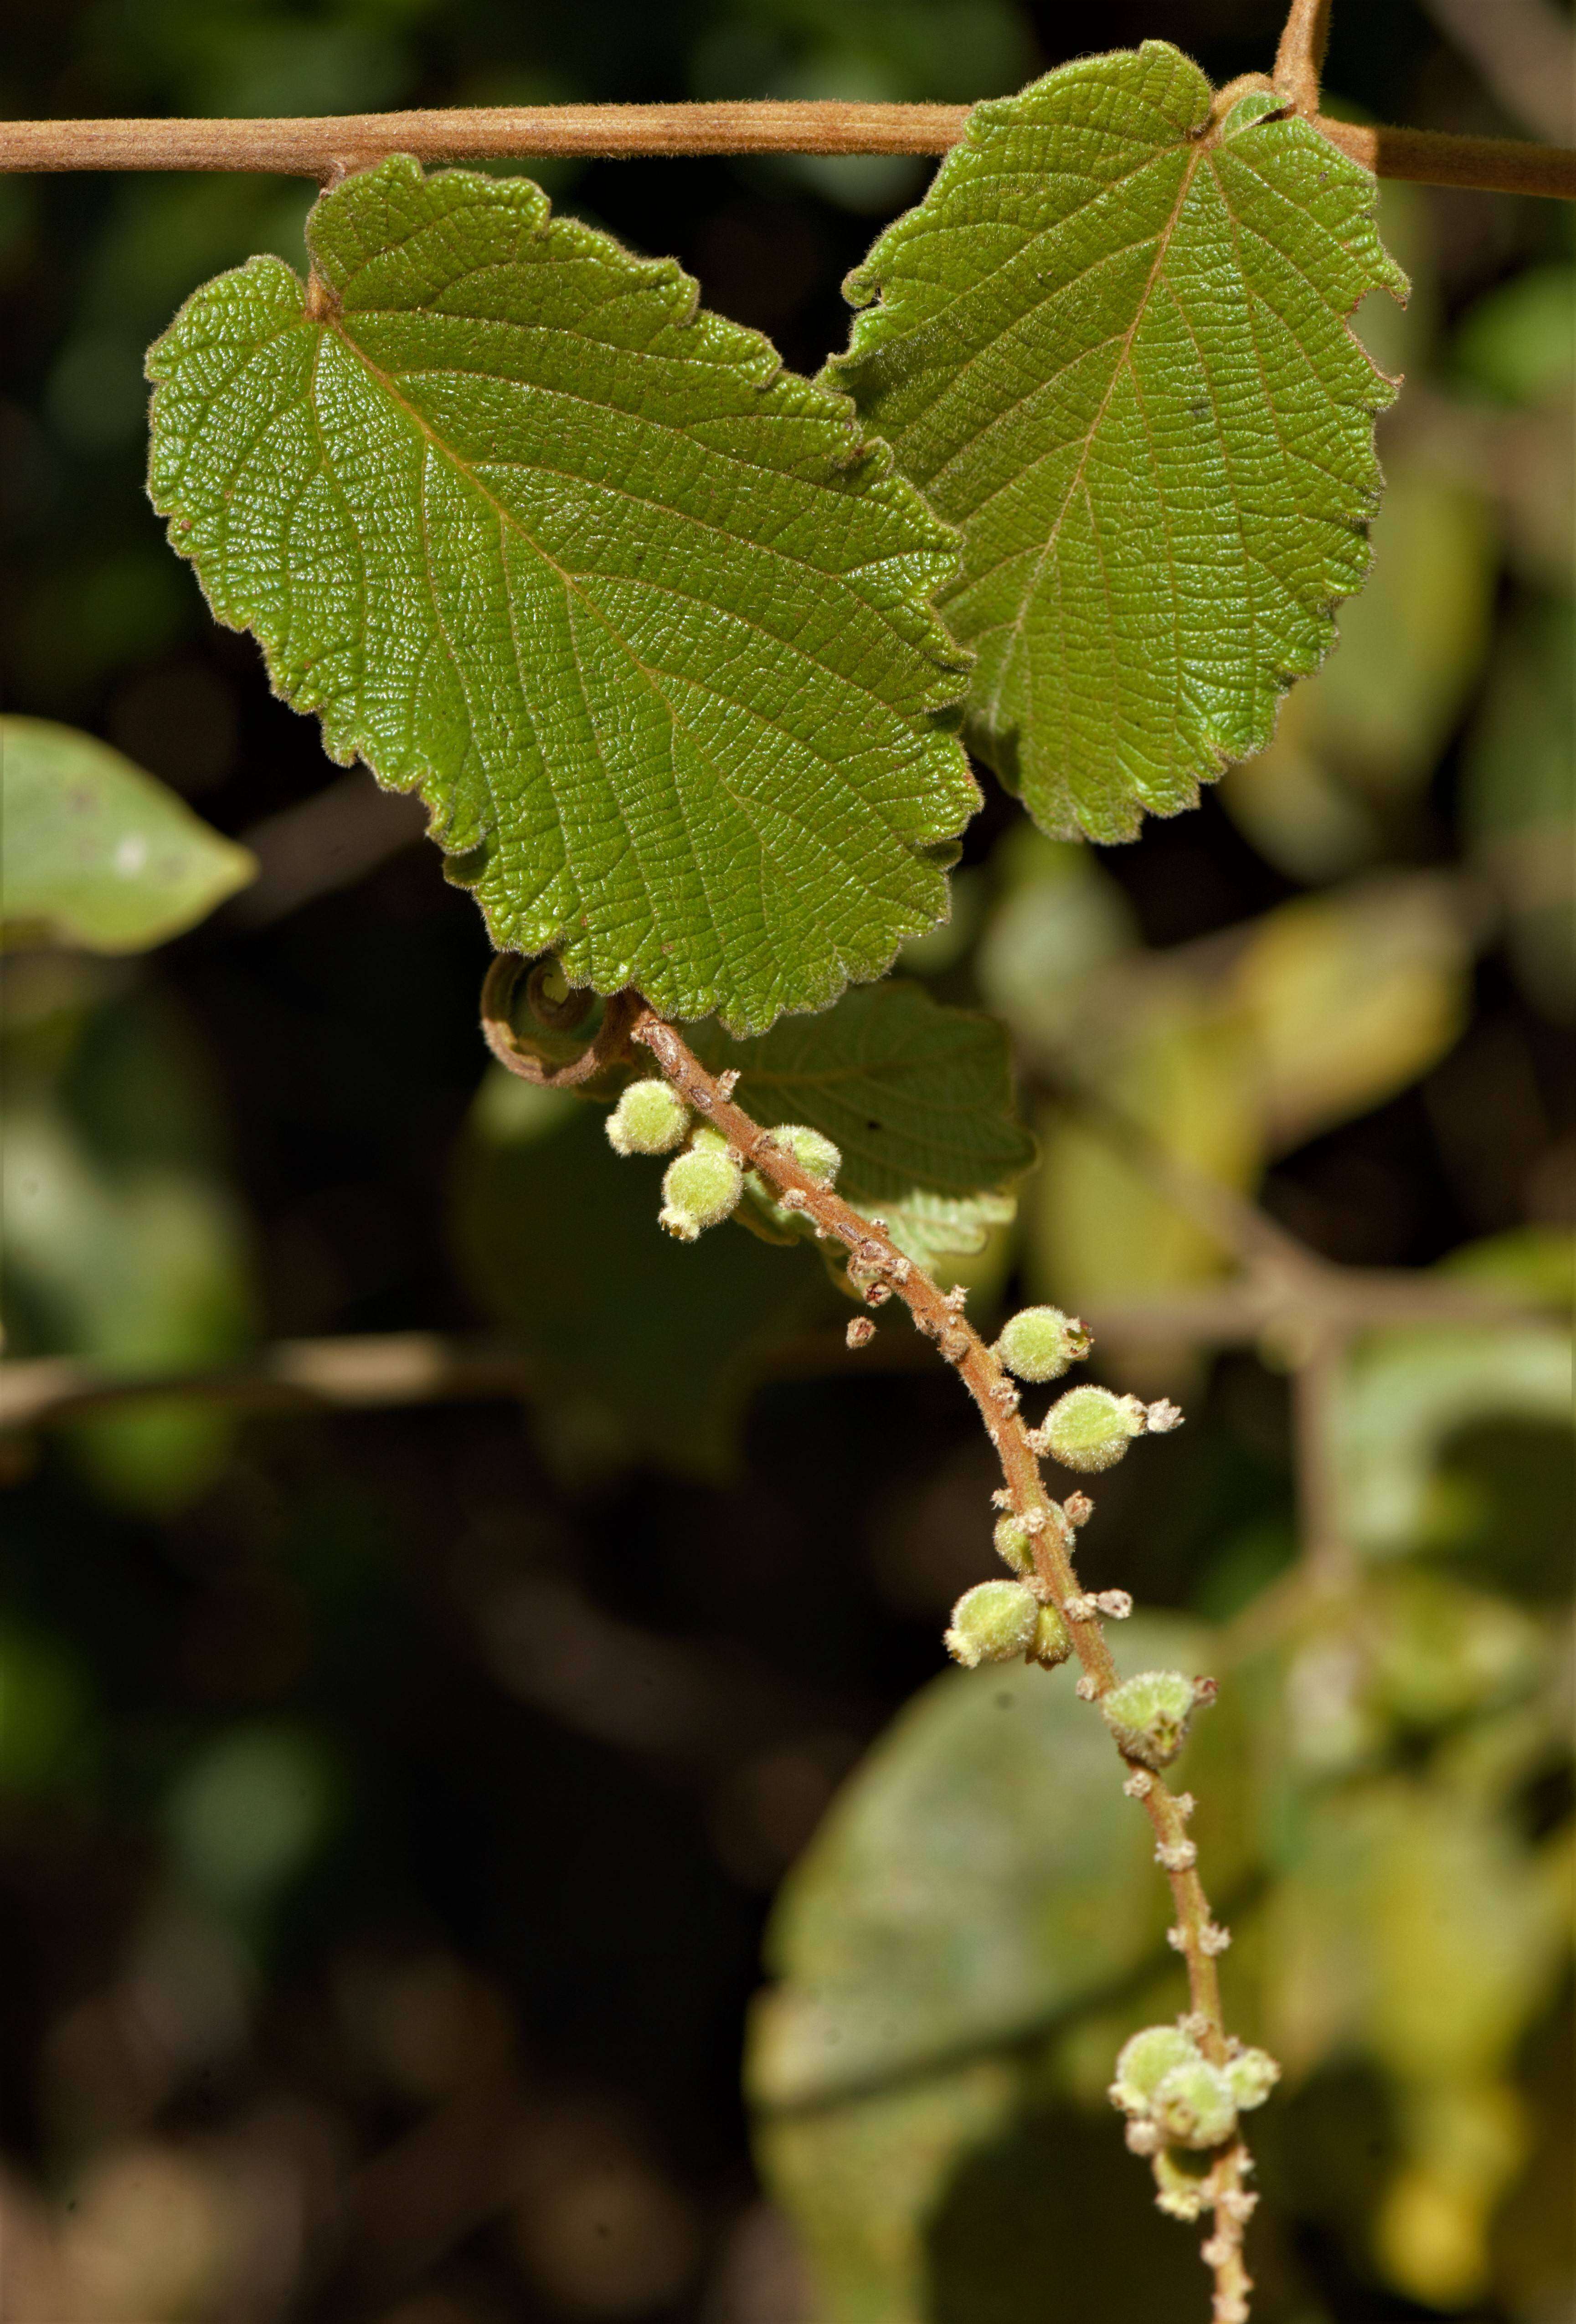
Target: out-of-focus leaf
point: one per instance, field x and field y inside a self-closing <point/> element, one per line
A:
<point x="124" y="1242"/>
<point x="248" y="1814"/>
<point x="1105" y="345"/>
<point x="44" y="1698"/>
<point x="1519" y="810"/>
<point x="1518" y="344"/>
<point x="97" y="852"/>
<point x="557" y="1237"/>
<point x="916" y="1097"/>
<point x="1061" y="921"/>
<point x="1347" y="998"/>
<point x="1536" y="1263"/>
<point x="1098" y="1227"/>
<point x="1404" y="1392"/>
<point x="978" y="1878"/>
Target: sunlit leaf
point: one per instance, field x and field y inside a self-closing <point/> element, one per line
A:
<point x="918" y="1098"/>
<point x="97" y="852"/>
<point x="632" y="607"/>
<point x="1113" y="348"/>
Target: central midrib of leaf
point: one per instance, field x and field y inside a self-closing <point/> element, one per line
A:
<point x="1124" y="357"/>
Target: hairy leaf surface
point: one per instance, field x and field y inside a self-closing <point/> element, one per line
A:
<point x="637" y="612"/>
<point x="1112" y="346"/>
<point x="917" y="1097"/>
<point x="97" y="852"/>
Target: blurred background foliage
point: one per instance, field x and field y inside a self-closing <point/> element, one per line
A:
<point x="392" y="1804"/>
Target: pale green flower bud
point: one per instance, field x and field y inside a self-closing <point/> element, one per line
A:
<point x="1252" y="2074"/>
<point x="1014" y="1545"/>
<point x="1195" y="2105"/>
<point x="1090" y="1428"/>
<point x="992" y="1623"/>
<point x="1144" y="2063"/>
<point x="649" y="1118"/>
<point x="811" y="1149"/>
<point x="1148" y="1715"/>
<point x="1181" y="2179"/>
<point x="700" y="1189"/>
<point x="1052" y="1642"/>
<point x="1038" y="1344"/>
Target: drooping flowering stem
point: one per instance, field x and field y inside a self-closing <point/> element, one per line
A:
<point x="882" y="1272"/>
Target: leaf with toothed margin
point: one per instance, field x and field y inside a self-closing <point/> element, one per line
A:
<point x="1112" y="346"/>
<point x="917" y="1098"/>
<point x="640" y="615"/>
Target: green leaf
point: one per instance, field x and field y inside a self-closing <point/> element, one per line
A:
<point x="643" y="1347"/>
<point x="97" y="852"/>
<point x="918" y="1098"/>
<point x="1113" y="350"/>
<point x="638" y="611"/>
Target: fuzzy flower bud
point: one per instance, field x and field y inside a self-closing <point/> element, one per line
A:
<point x="1090" y="1428"/>
<point x="811" y="1149"/>
<point x="1013" y="1544"/>
<point x="700" y="1188"/>
<point x="1180" y="2178"/>
<point x="1195" y="2105"/>
<point x="1144" y="2063"/>
<point x="1252" y="2074"/>
<point x="1052" y="1642"/>
<point x="992" y="1623"/>
<point x="1038" y="1344"/>
<point x="649" y="1118"/>
<point x="1148" y="1715"/>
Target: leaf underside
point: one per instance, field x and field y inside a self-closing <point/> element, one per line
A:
<point x="916" y="1097"/>
<point x="639" y="613"/>
<point x="1113" y="350"/>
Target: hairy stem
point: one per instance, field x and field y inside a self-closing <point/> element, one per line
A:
<point x="884" y="1272"/>
<point x="328" y="146"/>
<point x="1300" y="59"/>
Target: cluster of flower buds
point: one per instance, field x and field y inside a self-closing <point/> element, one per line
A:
<point x="1150" y="1714"/>
<point x="998" y="1621"/>
<point x="1038" y="1344"/>
<point x="1180" y="2107"/>
<point x="706" y="1184"/>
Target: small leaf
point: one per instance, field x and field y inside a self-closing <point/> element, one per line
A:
<point x="1112" y="346"/>
<point x="637" y="611"/>
<point x="918" y="1098"/>
<point x="97" y="852"/>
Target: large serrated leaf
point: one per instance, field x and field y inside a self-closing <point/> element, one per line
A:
<point x="635" y="610"/>
<point x="916" y="1097"/>
<point x="1112" y="346"/>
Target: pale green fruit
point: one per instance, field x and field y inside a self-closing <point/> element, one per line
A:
<point x="1014" y="1546"/>
<point x="1038" y="1344"/>
<point x="1148" y="1715"/>
<point x="1179" y="2177"/>
<point x="992" y="1623"/>
<point x="1090" y="1428"/>
<point x="1252" y="2074"/>
<point x="700" y="1189"/>
<point x="1052" y="1642"/>
<point x="1194" y="2105"/>
<point x="811" y="1149"/>
<point x="1146" y="2060"/>
<point x="649" y="1118"/>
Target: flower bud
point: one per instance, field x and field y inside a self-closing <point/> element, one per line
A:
<point x="1144" y="2063"/>
<point x="992" y="1623"/>
<point x="1052" y="1642"/>
<point x="1013" y="1544"/>
<point x="811" y="1149"/>
<point x="1090" y="1428"/>
<point x="1195" y="2105"/>
<point x="649" y="1118"/>
<point x="1038" y="1344"/>
<point x="1148" y="1715"/>
<point x="700" y="1189"/>
<point x="1181" y="2179"/>
<point x="1252" y="2074"/>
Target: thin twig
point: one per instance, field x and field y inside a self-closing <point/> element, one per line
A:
<point x="327" y="146"/>
<point x="883" y="1272"/>
<point x="1300" y="59"/>
<point x="1524" y="53"/>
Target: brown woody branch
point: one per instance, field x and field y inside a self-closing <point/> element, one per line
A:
<point x="327" y="146"/>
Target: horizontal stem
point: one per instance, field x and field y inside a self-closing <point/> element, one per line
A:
<point x="326" y="146"/>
